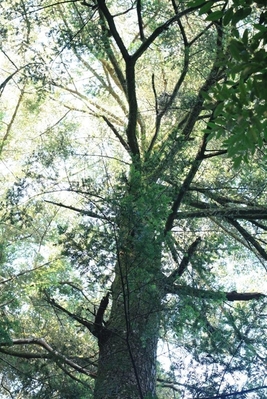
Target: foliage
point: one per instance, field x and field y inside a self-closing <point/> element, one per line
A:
<point x="240" y="102"/>
<point x="123" y="221"/>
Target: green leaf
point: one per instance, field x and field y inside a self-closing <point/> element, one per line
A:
<point x="205" y="8"/>
<point x="215" y="16"/>
<point x="243" y="91"/>
<point x="237" y="161"/>
<point x="219" y="109"/>
<point x="245" y="37"/>
<point x="241" y="14"/>
<point x="228" y="16"/>
<point x="206" y="95"/>
<point x="236" y="47"/>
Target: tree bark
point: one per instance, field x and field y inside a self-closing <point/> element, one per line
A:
<point x="127" y="363"/>
<point x="128" y="341"/>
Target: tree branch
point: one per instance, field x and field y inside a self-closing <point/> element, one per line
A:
<point x="117" y="134"/>
<point x="144" y="46"/>
<point x="108" y="71"/>
<point x="53" y="353"/>
<point x="159" y="115"/>
<point x="88" y="324"/>
<point x="13" y="118"/>
<point x="86" y="101"/>
<point x="140" y="21"/>
<point x="4" y="83"/>
<point x="96" y="328"/>
<point x="101" y="310"/>
<point x="248" y="237"/>
<point x="234" y="394"/>
<point x="24" y="355"/>
<point x="133" y="109"/>
<point x="185" y="261"/>
<point x="214" y="76"/>
<point x="215" y="154"/>
<point x="178" y="289"/>
<point x="220" y="198"/>
<point x="113" y="29"/>
<point x="186" y="183"/>
<point x="260" y="225"/>
<point x="81" y="211"/>
<point x="234" y="213"/>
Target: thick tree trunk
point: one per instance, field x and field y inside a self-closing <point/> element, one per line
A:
<point x="127" y="365"/>
<point x="128" y="342"/>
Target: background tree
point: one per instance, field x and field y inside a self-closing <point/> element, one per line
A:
<point x="123" y="222"/>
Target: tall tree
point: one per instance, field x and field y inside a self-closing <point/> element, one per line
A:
<point x="127" y="224"/>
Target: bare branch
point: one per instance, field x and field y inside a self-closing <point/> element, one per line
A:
<point x="25" y="355"/>
<point x="155" y="96"/>
<point x="173" y="384"/>
<point x="87" y="101"/>
<point x="10" y="77"/>
<point x="96" y="328"/>
<point x="22" y="273"/>
<point x="260" y="225"/>
<point x="109" y="72"/>
<point x="214" y="76"/>
<point x="243" y="296"/>
<point x="88" y="324"/>
<point x="234" y="235"/>
<point x="159" y="115"/>
<point x="220" y="198"/>
<point x="106" y="67"/>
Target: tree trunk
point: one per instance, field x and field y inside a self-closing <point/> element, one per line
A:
<point x="127" y="365"/>
<point x="128" y="342"/>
